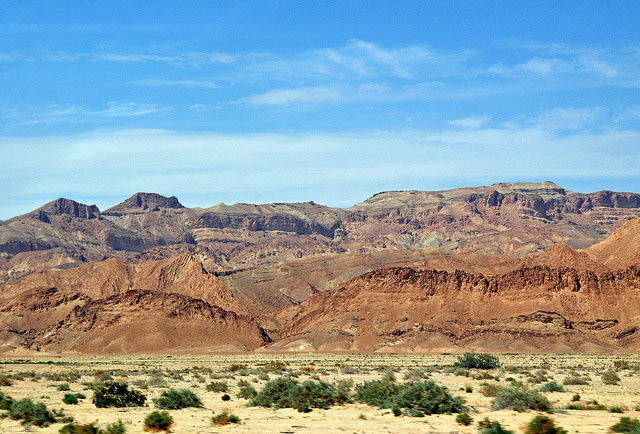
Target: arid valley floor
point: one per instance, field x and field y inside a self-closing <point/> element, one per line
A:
<point x="40" y="379"/>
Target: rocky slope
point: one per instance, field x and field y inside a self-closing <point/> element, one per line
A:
<point x="529" y="309"/>
<point x="515" y="219"/>
<point x="621" y="249"/>
<point x="112" y="307"/>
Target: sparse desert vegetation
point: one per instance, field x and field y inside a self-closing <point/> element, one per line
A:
<point x="320" y="393"/>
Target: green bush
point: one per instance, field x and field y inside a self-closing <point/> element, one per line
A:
<point x="115" y="394"/>
<point x="544" y="425"/>
<point x="287" y="392"/>
<point x="225" y="419"/>
<point x="73" y="428"/>
<point x="427" y="397"/>
<point x="377" y="392"/>
<point x="576" y="397"/>
<point x="63" y="387"/>
<point x="417" y="398"/>
<point x="218" y="387"/>
<point x="610" y="378"/>
<point x="117" y="427"/>
<point x="32" y="413"/>
<point x="616" y="409"/>
<point x="5" y="401"/>
<point x="464" y="419"/>
<point x="519" y="398"/>
<point x="72" y="398"/>
<point x="487" y="426"/>
<point x="158" y="421"/>
<point x="477" y="361"/>
<point x="551" y="386"/>
<point x="246" y="391"/>
<point x="626" y="424"/>
<point x="173" y="399"/>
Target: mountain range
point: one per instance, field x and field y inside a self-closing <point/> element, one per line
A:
<point x="507" y="267"/>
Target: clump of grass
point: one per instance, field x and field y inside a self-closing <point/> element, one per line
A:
<point x="464" y="419"/>
<point x="63" y="387"/>
<point x="246" y="390"/>
<point x="348" y="370"/>
<point x="274" y="366"/>
<point x="589" y="405"/>
<point x="218" y="387"/>
<point x="236" y="367"/>
<point x="520" y="398"/>
<point x="488" y="426"/>
<point x="157" y="382"/>
<point x="477" y="361"/>
<point x="610" y="378"/>
<point x="5" y="381"/>
<point x="117" y="427"/>
<point x="173" y="399"/>
<point x="575" y="380"/>
<point x="551" y="386"/>
<point x="544" y="425"/>
<point x="490" y="389"/>
<point x="158" y="421"/>
<point x="225" y="418"/>
<point x="616" y="409"/>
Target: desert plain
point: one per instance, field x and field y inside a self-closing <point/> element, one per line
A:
<point x="41" y="378"/>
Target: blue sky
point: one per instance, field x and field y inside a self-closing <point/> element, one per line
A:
<point x="332" y="101"/>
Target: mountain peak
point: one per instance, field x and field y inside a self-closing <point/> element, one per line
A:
<point x="69" y="207"/>
<point x="145" y="201"/>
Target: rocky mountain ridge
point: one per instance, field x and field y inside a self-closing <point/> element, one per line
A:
<point x="514" y="219"/>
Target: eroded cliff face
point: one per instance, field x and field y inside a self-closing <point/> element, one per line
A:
<point x="528" y="309"/>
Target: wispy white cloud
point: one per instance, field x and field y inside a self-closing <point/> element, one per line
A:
<point x="195" y="59"/>
<point x="472" y="122"/>
<point x="78" y="113"/>
<point x="579" y="62"/>
<point x="295" y="96"/>
<point x="156" y="82"/>
<point x="567" y="118"/>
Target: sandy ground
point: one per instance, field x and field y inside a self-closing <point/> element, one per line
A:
<point x="187" y="372"/>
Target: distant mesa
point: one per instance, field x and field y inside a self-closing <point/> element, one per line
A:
<point x="143" y="202"/>
<point x="68" y="207"/>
